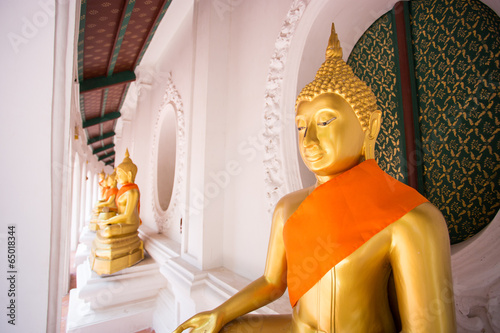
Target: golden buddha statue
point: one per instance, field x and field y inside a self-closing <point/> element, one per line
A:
<point x="359" y="251"/>
<point x="102" y="183"/>
<point x="106" y="207"/>
<point x="117" y="244"/>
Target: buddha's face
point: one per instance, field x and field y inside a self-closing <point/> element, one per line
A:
<point x="122" y="176"/>
<point x="330" y="135"/>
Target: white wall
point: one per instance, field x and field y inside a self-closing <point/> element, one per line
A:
<point x="218" y="59"/>
<point x="254" y="28"/>
<point x="25" y="132"/>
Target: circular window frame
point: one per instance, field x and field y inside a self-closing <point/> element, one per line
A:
<point x="164" y="218"/>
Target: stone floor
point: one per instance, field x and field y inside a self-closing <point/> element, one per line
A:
<point x="65" y="300"/>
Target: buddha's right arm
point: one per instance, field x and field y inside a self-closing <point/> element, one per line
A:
<point x="131" y="205"/>
<point x="260" y="292"/>
<point x="109" y="202"/>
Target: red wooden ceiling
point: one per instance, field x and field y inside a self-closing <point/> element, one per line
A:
<point x="113" y="36"/>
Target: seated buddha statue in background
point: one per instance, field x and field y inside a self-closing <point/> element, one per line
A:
<point x="117" y="244"/>
<point x="102" y="184"/>
<point x="358" y="251"/>
<point x="106" y="207"/>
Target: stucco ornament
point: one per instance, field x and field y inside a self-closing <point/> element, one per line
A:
<point x="163" y="218"/>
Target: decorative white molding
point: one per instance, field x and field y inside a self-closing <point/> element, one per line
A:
<point x="197" y="290"/>
<point x="274" y="113"/>
<point x="476" y="280"/>
<point x="121" y="302"/>
<point x="164" y="217"/>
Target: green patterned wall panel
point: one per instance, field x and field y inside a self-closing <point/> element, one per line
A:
<point x="373" y="60"/>
<point x="456" y="53"/>
<point x="456" y="46"/>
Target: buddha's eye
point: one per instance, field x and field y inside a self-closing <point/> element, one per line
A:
<point x="301" y="124"/>
<point x="324" y="123"/>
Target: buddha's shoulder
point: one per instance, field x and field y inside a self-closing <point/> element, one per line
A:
<point x="290" y="202"/>
<point x="425" y="216"/>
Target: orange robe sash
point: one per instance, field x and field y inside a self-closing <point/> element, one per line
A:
<point x="337" y="218"/>
<point x="110" y="192"/>
<point x="103" y="191"/>
<point x="128" y="187"/>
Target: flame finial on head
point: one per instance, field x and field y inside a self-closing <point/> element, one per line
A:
<point x="127" y="165"/>
<point x="333" y="50"/>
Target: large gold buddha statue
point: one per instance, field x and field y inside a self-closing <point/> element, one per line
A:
<point x="106" y="207"/>
<point x="117" y="244"/>
<point x="359" y="251"/>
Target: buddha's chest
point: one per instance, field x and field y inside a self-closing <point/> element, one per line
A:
<point x="121" y="202"/>
<point x="351" y="296"/>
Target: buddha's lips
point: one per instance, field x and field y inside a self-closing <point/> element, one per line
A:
<point x="314" y="157"/>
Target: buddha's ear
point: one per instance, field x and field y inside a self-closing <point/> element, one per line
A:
<point x="129" y="174"/>
<point x="371" y="134"/>
<point x="374" y="125"/>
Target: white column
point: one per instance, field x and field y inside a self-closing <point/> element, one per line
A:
<point x="88" y="197"/>
<point x="83" y="196"/>
<point x="75" y="202"/>
<point x="202" y="245"/>
<point x="95" y="192"/>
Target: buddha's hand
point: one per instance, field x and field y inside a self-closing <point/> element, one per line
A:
<point x="204" y="322"/>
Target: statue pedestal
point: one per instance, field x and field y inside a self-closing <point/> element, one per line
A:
<point x="110" y="255"/>
<point x="85" y="244"/>
<point x="121" y="302"/>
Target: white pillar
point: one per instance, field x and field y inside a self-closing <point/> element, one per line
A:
<point x="75" y="202"/>
<point x="205" y="216"/>
<point x="83" y="196"/>
<point x="88" y="197"/>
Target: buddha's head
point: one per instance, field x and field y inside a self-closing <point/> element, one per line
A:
<point x="126" y="171"/>
<point x="336" y="116"/>
<point x="112" y="179"/>
<point x="102" y="174"/>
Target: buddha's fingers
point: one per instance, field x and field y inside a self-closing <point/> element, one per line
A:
<point x="183" y="327"/>
<point x="190" y="323"/>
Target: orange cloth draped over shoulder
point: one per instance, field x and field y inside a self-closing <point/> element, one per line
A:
<point x="104" y="190"/>
<point x="110" y="192"/>
<point x="128" y="187"/>
<point x="337" y="218"/>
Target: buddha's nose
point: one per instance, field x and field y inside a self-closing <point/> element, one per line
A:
<point x="310" y="136"/>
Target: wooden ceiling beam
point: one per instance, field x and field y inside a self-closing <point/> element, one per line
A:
<point x="128" y="6"/>
<point x="105" y="156"/>
<point x="152" y="30"/>
<point x="101" y="137"/>
<point x="106" y="81"/>
<point x="99" y="120"/>
<point x="101" y="149"/>
<point x="110" y="162"/>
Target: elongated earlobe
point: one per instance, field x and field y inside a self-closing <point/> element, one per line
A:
<point x="371" y="134"/>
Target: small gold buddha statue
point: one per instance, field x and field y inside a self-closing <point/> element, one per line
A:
<point x="106" y="207"/>
<point x="102" y="183"/>
<point x="117" y="244"/>
<point x="358" y="251"/>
